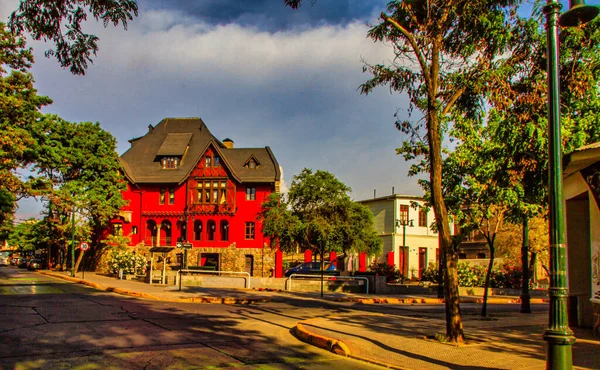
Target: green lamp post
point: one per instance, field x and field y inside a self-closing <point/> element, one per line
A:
<point x="558" y="335"/>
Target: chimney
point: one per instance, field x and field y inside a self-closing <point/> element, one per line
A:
<point x="150" y="128"/>
<point x="393" y="192"/>
<point x="374" y="193"/>
<point x="228" y="143"/>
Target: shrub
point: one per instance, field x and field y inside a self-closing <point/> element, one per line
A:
<point x="129" y="262"/>
<point x="383" y="269"/>
<point x="432" y="274"/>
<point x="505" y="276"/>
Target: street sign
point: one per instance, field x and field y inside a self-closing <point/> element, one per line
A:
<point x="84" y="246"/>
<point x="179" y="244"/>
<point x="187" y="245"/>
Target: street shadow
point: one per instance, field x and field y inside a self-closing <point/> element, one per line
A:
<point x="81" y="326"/>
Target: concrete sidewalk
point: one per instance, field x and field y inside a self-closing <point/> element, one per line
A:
<point x="506" y="340"/>
<point x="510" y="341"/>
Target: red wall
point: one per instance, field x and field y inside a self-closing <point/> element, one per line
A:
<point x="144" y="205"/>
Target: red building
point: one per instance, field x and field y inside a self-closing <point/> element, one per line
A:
<point x="185" y="185"/>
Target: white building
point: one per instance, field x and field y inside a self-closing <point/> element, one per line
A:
<point x="404" y="225"/>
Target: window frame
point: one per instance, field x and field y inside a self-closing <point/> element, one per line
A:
<point x="250" y="230"/>
<point x="422" y="217"/>
<point x="250" y="193"/>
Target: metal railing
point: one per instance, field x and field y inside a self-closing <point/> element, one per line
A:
<point x="288" y="281"/>
<point x="212" y="272"/>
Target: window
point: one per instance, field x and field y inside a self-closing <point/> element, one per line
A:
<point x="213" y="191"/>
<point x="422" y="217"/>
<point x="216" y="161"/>
<point x="117" y="229"/>
<point x="224" y="229"/>
<point x="207" y="161"/>
<point x="403" y="213"/>
<point x="210" y="225"/>
<point x="169" y="162"/>
<point x="161" y="199"/>
<point x="197" y="230"/>
<point x="252" y="164"/>
<point x="249" y="230"/>
<point x="250" y="193"/>
<point x="171" y="195"/>
<point x="134" y="230"/>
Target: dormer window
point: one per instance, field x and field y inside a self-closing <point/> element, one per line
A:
<point x="251" y="163"/>
<point x="169" y="162"/>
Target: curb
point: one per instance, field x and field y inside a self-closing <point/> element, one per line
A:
<point x="334" y="345"/>
<point x="438" y="300"/>
<point x="215" y="300"/>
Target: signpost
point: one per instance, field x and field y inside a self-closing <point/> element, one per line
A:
<point x="185" y="246"/>
<point x="84" y="247"/>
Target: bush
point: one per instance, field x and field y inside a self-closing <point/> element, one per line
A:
<point x="505" y="276"/>
<point x="129" y="262"/>
<point x="432" y="274"/>
<point x="383" y="269"/>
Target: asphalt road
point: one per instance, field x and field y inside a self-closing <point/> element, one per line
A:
<point x="52" y="324"/>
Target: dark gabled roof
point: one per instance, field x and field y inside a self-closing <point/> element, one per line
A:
<point x="174" y="144"/>
<point x="190" y="138"/>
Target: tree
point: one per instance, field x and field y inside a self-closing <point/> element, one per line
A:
<point x="519" y="99"/>
<point x="19" y="109"/>
<point x="60" y="21"/>
<point x="82" y="168"/>
<point x="443" y="51"/>
<point x="25" y="236"/>
<point x="319" y="215"/>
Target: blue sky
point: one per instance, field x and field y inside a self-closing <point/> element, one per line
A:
<point x="256" y="71"/>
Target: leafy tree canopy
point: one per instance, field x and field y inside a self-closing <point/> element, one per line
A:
<point x="319" y="215"/>
<point x="60" y="22"/>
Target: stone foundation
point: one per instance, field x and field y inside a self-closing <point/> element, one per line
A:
<point x="230" y="258"/>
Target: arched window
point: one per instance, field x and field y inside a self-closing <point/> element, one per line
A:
<point x="210" y="226"/>
<point x="150" y="237"/>
<point x="197" y="230"/>
<point x="166" y="230"/>
<point x="224" y="230"/>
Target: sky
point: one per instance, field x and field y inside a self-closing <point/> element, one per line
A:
<point x="257" y="72"/>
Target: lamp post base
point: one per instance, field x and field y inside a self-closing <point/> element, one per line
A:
<point x="559" y="351"/>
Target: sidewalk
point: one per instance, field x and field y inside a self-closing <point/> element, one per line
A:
<point x="505" y="340"/>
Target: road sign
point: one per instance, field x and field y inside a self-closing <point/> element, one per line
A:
<point x="187" y="245"/>
<point x="179" y="244"/>
<point x="84" y="246"/>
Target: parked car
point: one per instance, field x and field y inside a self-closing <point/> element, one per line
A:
<point x="311" y="268"/>
<point x="15" y="261"/>
<point x="23" y="262"/>
<point x="3" y="261"/>
<point x="35" y="264"/>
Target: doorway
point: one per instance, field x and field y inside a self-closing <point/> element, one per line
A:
<point x="422" y="261"/>
<point x="249" y="268"/>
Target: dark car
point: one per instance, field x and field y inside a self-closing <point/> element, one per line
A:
<point x="311" y="268"/>
<point x="23" y="263"/>
<point x="35" y="264"/>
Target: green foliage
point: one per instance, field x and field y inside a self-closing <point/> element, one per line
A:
<point x="432" y="273"/>
<point x="391" y="273"/>
<point x="81" y="167"/>
<point x="129" y="262"/>
<point x="319" y="215"/>
<point x="19" y="110"/>
<point x="506" y="276"/>
<point x="59" y="21"/>
<point x="26" y="236"/>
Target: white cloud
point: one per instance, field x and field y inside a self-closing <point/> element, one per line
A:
<point x="295" y="91"/>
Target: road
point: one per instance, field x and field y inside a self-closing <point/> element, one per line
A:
<point x="49" y="323"/>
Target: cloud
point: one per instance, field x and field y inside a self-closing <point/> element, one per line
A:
<point x="294" y="90"/>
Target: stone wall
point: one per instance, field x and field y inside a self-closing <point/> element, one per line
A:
<point x="230" y="258"/>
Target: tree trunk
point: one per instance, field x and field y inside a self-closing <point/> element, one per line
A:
<point x="525" y="298"/>
<point x="454" y="325"/>
<point x="487" y="279"/>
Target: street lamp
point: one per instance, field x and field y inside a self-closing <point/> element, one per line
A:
<point x="558" y="335"/>
<point x="404" y="222"/>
